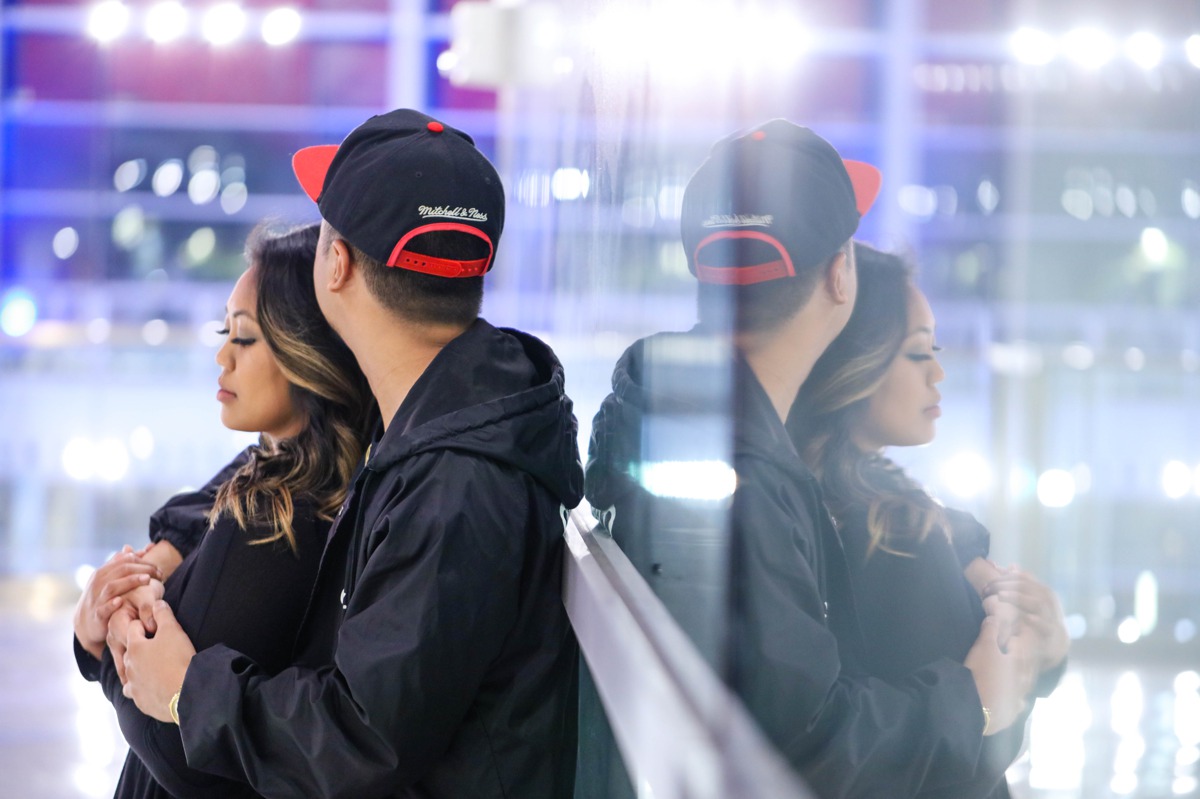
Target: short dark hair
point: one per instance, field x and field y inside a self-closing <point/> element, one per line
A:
<point x="419" y="297"/>
<point x="758" y="307"/>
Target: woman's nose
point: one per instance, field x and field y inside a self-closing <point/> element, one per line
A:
<point x="223" y="358"/>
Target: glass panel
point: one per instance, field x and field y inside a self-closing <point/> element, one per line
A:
<point x="1048" y="200"/>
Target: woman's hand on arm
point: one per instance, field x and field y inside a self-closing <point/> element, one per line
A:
<point x="155" y="667"/>
<point x="1003" y="677"/>
<point x="123" y="572"/>
<point x="164" y="555"/>
<point x="981" y="571"/>
<point x="118" y="636"/>
<point x="142" y="600"/>
<point x="1040" y="614"/>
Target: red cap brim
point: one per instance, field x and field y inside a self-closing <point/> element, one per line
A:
<point x="310" y="166"/>
<point x="866" y="180"/>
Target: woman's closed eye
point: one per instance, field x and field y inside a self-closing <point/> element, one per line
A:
<point x="241" y="341"/>
<point x="918" y="357"/>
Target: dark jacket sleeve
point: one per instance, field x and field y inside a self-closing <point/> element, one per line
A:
<point x="183" y="519"/>
<point x="970" y="538"/>
<point x="852" y="736"/>
<point x="430" y="610"/>
<point x="237" y="592"/>
<point x="88" y="666"/>
<point x="157" y="745"/>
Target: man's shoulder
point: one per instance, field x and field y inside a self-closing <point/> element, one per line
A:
<point x="464" y="476"/>
<point x="771" y="495"/>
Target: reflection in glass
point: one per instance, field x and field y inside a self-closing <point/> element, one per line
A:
<point x="1056" y="737"/>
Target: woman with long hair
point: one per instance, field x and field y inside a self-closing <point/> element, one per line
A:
<point x="253" y="537"/>
<point x="919" y="572"/>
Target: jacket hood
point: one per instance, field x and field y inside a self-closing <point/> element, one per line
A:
<point x="676" y="396"/>
<point x="670" y="402"/>
<point x="494" y="392"/>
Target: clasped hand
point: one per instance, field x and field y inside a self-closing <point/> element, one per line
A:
<point x="1022" y="635"/>
<point x="125" y="580"/>
<point x="1021" y="604"/>
<point x="121" y="607"/>
<point x="151" y="668"/>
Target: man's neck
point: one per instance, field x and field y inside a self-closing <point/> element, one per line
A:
<point x="783" y="358"/>
<point x="393" y="354"/>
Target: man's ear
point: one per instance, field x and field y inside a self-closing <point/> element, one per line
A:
<point x="838" y="278"/>
<point x="342" y="267"/>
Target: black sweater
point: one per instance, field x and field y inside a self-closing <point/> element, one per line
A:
<point x="914" y="607"/>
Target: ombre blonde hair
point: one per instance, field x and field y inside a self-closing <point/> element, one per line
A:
<point x="836" y="395"/>
<point x="327" y="387"/>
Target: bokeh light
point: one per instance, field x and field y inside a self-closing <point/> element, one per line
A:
<point x="66" y="242"/>
<point x="280" y="26"/>
<point x="223" y="24"/>
<point x="1056" y="488"/>
<point x="18" y="313"/>
<point x="107" y="20"/>
<point x="168" y="177"/>
<point x="166" y="21"/>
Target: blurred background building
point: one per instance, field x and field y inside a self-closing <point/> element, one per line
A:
<point x="1042" y="167"/>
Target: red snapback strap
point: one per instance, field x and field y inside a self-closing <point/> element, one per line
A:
<point x="743" y="275"/>
<point x="442" y="267"/>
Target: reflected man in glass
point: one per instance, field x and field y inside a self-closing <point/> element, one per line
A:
<point x="692" y="472"/>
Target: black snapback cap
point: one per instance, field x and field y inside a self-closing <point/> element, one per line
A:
<point x="398" y="176"/>
<point x="784" y="189"/>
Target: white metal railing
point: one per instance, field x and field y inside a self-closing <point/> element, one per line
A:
<point x="681" y="732"/>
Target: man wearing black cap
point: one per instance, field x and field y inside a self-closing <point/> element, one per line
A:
<point x="767" y="224"/>
<point x="436" y="659"/>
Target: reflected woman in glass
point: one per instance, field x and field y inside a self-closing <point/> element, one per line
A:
<point x="920" y="575"/>
<point x="253" y="537"/>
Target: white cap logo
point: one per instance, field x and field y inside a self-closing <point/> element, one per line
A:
<point x="451" y="212"/>
<point x="739" y="220"/>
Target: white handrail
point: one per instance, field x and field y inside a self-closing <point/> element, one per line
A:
<point x="681" y="733"/>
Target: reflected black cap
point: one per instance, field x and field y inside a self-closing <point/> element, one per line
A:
<point x="779" y="197"/>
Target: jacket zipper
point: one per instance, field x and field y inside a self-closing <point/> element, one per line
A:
<point x="356" y="542"/>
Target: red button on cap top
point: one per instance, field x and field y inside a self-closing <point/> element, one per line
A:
<point x="436" y="127"/>
<point x="758" y="135"/>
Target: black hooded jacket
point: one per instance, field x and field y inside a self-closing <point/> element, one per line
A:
<point x="793" y="650"/>
<point x="436" y="657"/>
